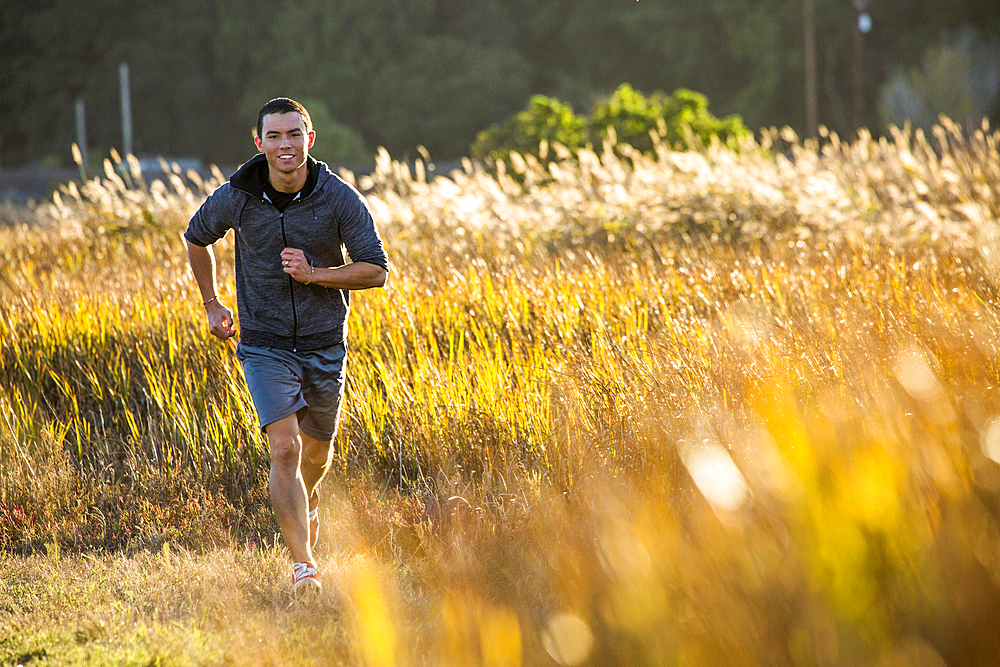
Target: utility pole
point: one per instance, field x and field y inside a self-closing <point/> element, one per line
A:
<point x="809" y="30"/>
<point x="126" y="109"/>
<point x="81" y="136"/>
<point x="862" y="25"/>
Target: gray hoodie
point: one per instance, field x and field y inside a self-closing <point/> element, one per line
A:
<point x="274" y="309"/>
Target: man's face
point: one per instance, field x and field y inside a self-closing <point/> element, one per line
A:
<point x="284" y="141"/>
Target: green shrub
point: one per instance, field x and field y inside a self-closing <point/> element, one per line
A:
<point x="546" y="119"/>
<point x="634" y="116"/>
<point x="678" y="119"/>
<point x="336" y="143"/>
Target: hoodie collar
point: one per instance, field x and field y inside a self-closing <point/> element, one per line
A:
<point x="251" y="176"/>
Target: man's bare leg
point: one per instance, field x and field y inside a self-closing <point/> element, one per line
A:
<point x="287" y="488"/>
<point x="316" y="456"/>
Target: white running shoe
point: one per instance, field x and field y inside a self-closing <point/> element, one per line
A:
<point x="305" y="577"/>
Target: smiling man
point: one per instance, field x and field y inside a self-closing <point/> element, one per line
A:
<point x="293" y="218"/>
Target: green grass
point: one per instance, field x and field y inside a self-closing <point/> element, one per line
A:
<point x="162" y="608"/>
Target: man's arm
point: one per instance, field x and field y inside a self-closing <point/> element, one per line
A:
<point x="220" y="318"/>
<point x="353" y="276"/>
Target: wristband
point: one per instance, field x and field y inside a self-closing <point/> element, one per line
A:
<point x="312" y="272"/>
<point x="214" y="298"/>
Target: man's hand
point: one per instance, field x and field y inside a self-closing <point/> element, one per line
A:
<point x="295" y="264"/>
<point x="220" y="320"/>
<point x="352" y="276"/>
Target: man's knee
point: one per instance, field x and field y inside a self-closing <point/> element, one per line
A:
<point x="286" y="450"/>
<point x="317" y="452"/>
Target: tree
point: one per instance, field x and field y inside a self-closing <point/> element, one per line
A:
<point x="445" y="92"/>
<point x="336" y="143"/>
<point x="378" y="67"/>
<point x="67" y="50"/>
<point x="959" y="79"/>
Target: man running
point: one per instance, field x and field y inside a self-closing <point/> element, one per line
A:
<point x="292" y="218"/>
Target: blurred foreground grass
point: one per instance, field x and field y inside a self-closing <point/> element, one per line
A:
<point x="711" y="408"/>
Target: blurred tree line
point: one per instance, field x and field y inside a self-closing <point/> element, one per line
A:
<point x="399" y="73"/>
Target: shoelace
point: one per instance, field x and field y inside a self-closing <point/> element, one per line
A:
<point x="303" y="570"/>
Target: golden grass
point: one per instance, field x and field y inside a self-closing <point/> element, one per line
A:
<point x="710" y="408"/>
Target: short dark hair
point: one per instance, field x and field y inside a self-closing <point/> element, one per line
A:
<point x="282" y="105"/>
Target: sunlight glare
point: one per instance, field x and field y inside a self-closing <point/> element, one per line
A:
<point x="917" y="376"/>
<point x="716" y="476"/>
<point x="568" y="639"/>
<point x="990" y="440"/>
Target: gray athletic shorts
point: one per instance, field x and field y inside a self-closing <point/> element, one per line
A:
<point x="283" y="382"/>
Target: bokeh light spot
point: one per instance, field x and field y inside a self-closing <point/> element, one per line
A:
<point x="568" y="639"/>
<point x="990" y="439"/>
<point x="716" y="476"/>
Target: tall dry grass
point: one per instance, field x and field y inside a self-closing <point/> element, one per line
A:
<point x="710" y="408"/>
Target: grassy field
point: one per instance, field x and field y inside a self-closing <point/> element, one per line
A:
<point x="707" y="408"/>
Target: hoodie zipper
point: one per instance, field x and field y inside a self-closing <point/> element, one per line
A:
<point x="291" y="288"/>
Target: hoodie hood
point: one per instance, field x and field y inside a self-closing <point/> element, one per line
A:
<point x="252" y="175"/>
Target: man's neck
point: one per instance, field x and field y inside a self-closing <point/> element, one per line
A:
<point x="288" y="183"/>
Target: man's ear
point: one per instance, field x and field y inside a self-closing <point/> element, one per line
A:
<point x="257" y="142"/>
<point x="312" y="138"/>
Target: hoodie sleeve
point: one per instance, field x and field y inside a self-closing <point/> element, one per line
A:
<point x="357" y="229"/>
<point x="215" y="217"/>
